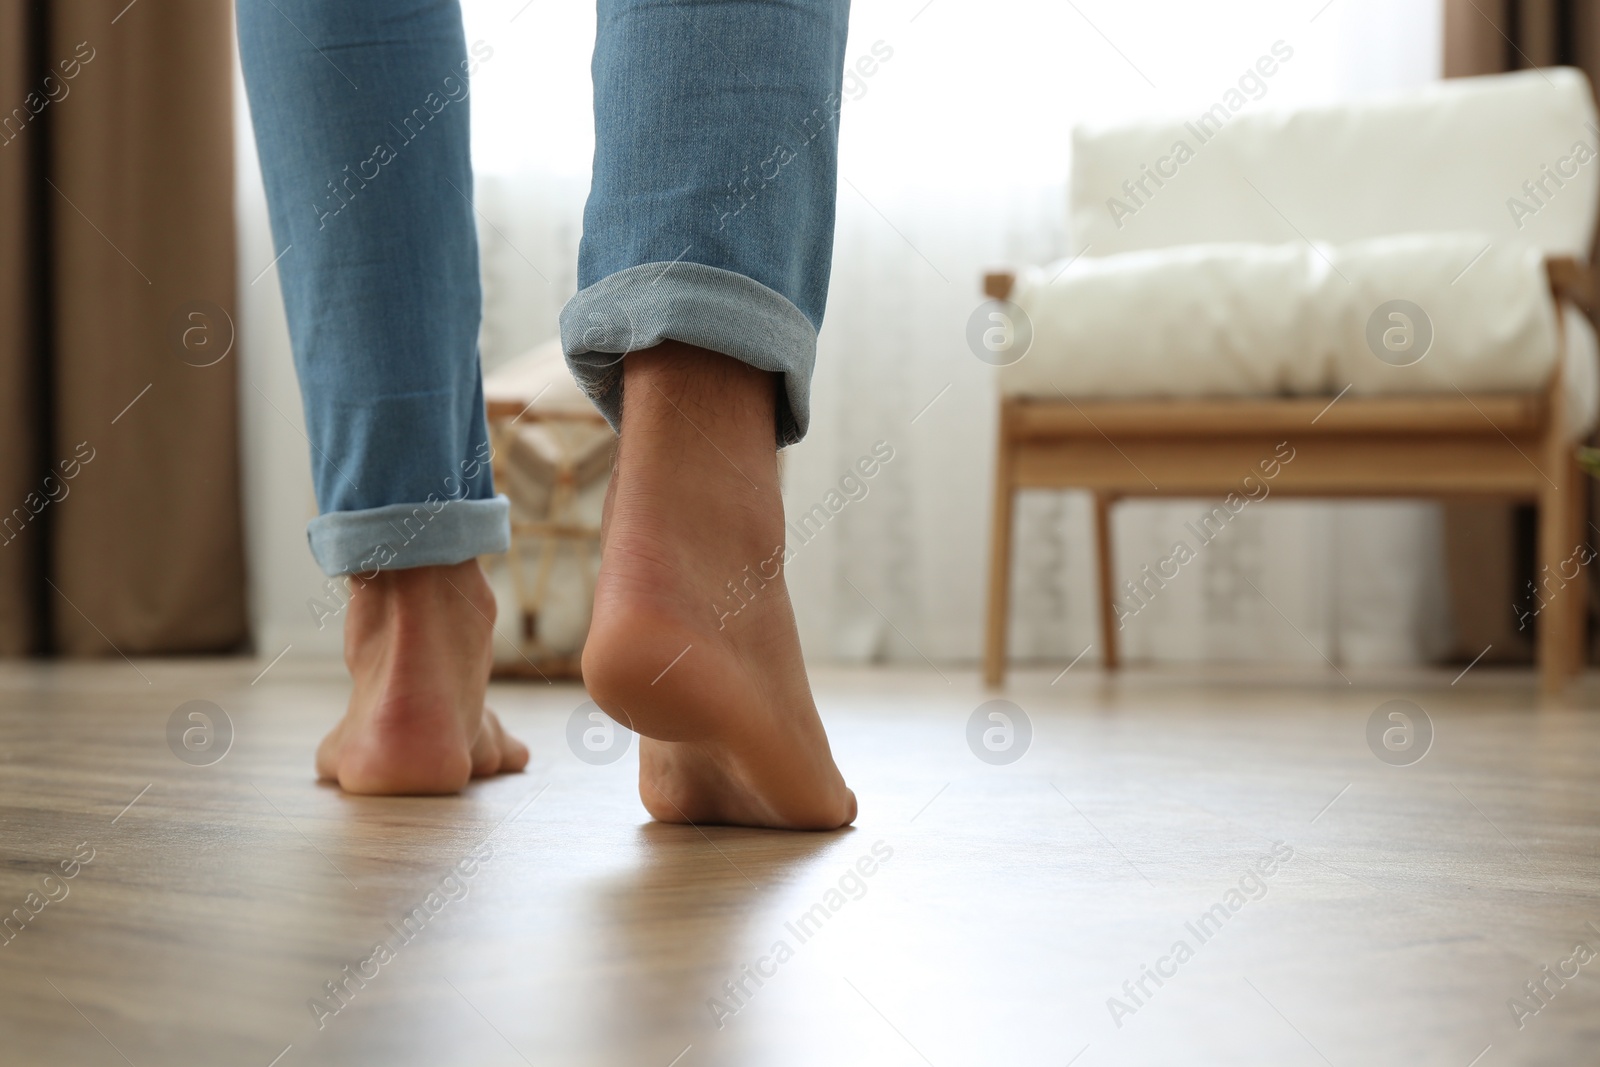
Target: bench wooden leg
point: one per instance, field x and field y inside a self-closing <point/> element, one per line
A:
<point x="994" y="647"/>
<point x="1562" y="583"/>
<point x="1106" y="581"/>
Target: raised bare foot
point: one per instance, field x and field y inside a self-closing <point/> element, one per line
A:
<point x="418" y="644"/>
<point x="728" y="730"/>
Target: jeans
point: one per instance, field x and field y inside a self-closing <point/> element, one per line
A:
<point x="709" y="221"/>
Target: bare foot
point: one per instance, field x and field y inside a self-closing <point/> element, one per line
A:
<point x="418" y="644"/>
<point x="728" y="730"/>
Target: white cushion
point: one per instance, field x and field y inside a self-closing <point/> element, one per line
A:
<point x="1450" y="157"/>
<point x="1285" y="319"/>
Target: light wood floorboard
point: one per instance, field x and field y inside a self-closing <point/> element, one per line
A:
<point x="1016" y="901"/>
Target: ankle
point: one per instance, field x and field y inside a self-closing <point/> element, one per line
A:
<point x="414" y="598"/>
<point x="680" y="390"/>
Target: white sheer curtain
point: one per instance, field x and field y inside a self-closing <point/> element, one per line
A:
<point x="954" y="153"/>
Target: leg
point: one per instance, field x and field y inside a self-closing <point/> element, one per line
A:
<point x="703" y="273"/>
<point x="360" y="112"/>
<point x="1005" y="502"/>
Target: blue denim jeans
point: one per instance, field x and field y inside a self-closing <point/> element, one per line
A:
<point x="709" y="221"/>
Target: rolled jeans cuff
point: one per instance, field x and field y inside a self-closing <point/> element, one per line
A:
<point x="709" y="307"/>
<point x="400" y="536"/>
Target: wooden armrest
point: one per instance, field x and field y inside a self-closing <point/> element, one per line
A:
<point x="1572" y="280"/>
<point x="998" y="284"/>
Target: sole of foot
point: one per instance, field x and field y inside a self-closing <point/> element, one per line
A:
<point x="693" y="643"/>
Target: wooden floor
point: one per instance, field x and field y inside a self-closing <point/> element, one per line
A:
<point x="1006" y="906"/>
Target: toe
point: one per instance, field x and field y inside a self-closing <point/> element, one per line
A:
<point x="513" y="753"/>
<point x="495" y="751"/>
<point x="486" y="747"/>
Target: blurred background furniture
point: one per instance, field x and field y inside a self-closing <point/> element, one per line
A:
<point x="1221" y="296"/>
<point x="552" y="457"/>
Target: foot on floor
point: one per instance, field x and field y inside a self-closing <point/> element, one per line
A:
<point x="713" y="682"/>
<point x="418" y="644"/>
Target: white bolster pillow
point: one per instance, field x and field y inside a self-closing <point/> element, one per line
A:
<point x="1289" y="319"/>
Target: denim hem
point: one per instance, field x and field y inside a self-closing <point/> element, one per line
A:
<point x="399" y="536"/>
<point x="716" y="309"/>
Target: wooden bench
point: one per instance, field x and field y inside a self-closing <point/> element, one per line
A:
<point x="1513" y="447"/>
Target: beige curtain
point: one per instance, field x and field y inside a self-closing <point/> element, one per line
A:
<point x="118" y="445"/>
<point x="20" y="552"/>
<point x="1490" y="548"/>
<point x="1490" y="36"/>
